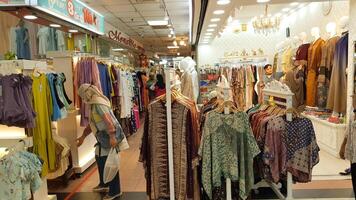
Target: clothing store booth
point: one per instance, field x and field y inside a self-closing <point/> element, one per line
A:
<point x="303" y="49"/>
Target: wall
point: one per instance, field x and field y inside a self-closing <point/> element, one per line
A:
<point x="302" y="20"/>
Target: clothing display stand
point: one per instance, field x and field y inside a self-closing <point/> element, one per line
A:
<point x="281" y="91"/>
<point x="169" y="72"/>
<point x="11" y="135"/>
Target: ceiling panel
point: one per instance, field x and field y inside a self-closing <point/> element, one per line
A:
<point x="121" y="8"/>
<point x="127" y="14"/>
<point x="113" y="2"/>
<point x="158" y="13"/>
<point x="132" y="19"/>
<point x="148" y="7"/>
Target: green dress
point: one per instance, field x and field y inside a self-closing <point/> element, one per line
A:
<point x="227" y="151"/>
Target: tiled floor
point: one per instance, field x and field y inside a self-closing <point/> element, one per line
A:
<point x="326" y="181"/>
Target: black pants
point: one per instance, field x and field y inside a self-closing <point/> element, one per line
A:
<point x="114" y="185"/>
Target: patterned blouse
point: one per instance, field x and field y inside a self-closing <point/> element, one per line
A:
<point x="227" y="150"/>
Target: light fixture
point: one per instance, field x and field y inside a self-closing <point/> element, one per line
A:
<point x="170" y="35"/>
<point x="294" y="4"/>
<point x="55" y="25"/>
<point x="173" y="47"/>
<point x="181" y="43"/>
<point x="218" y="12"/>
<point x="212" y="25"/>
<point x="215" y="20"/>
<point x="175" y="43"/>
<point x="266" y="24"/>
<point x="286" y="9"/>
<point x="278" y="14"/>
<point x="169" y="25"/>
<point x="208" y="34"/>
<point x="178" y="54"/>
<point x="72" y="31"/>
<point x="223" y="2"/>
<point x="263" y="1"/>
<point x="124" y="56"/>
<point x="229" y="19"/>
<point x="172" y="32"/>
<point x="30" y="17"/>
<point x="157" y="22"/>
<point x="118" y="49"/>
<point x="210" y="30"/>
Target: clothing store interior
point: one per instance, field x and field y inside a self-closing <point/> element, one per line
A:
<point x="177" y="99"/>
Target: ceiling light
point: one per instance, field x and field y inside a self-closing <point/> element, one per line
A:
<point x="169" y="35"/>
<point x="157" y="22"/>
<point x="210" y="30"/>
<point x="175" y="43"/>
<point x="118" y="49"/>
<point x="178" y="54"/>
<point x="223" y="2"/>
<point x="181" y="43"/>
<point x="286" y="9"/>
<point x="208" y="34"/>
<point x="229" y="20"/>
<point x="218" y="12"/>
<point x="294" y="4"/>
<point x="173" y="47"/>
<point x="72" y="31"/>
<point x="301" y="5"/>
<point x="169" y="25"/>
<point x="172" y="32"/>
<point x="30" y="17"/>
<point x="266" y="24"/>
<point x="55" y="25"/>
<point x="213" y="25"/>
<point x="278" y="14"/>
<point x="215" y="20"/>
<point x="263" y="1"/>
<point x="124" y="56"/>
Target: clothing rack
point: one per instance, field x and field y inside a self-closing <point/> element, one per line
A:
<point x="245" y="60"/>
<point x="281" y="91"/>
<point x="168" y="74"/>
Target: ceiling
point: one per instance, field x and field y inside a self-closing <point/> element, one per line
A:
<point x="244" y="11"/>
<point x="131" y="16"/>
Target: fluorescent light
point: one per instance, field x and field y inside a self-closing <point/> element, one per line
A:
<point x="30" y="17"/>
<point x="286" y="9"/>
<point x="72" y="31"/>
<point x="55" y="25"/>
<point x="157" y="22"/>
<point x="208" y="34"/>
<point x="223" y="2"/>
<point x="212" y="25"/>
<point x="294" y="4"/>
<point x="263" y="1"/>
<point x="278" y="14"/>
<point x="210" y="30"/>
<point x="173" y="47"/>
<point x="218" y="12"/>
<point x="175" y="43"/>
<point x="215" y="20"/>
<point x="118" y="49"/>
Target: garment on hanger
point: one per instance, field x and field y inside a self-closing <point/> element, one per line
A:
<point x="61" y="45"/>
<point x="105" y="80"/>
<point x="250" y="84"/>
<point x="338" y="83"/>
<point x="42" y="35"/>
<point x="286" y="61"/>
<point x="314" y="59"/>
<point x="228" y="137"/>
<point x="43" y="144"/>
<point x="56" y="113"/>
<point x="23" y="43"/>
<point x="294" y="79"/>
<point x="13" y="45"/>
<point x="52" y="40"/>
<point x="324" y="74"/>
<point x="238" y="87"/>
<point x="301" y="56"/>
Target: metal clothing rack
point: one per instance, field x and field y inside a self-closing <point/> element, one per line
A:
<point x="281" y="91"/>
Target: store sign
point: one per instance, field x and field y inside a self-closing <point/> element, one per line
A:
<point x="124" y="39"/>
<point x="12" y="2"/>
<point x="76" y="12"/>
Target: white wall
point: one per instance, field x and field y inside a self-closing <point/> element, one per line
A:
<point x="302" y="20"/>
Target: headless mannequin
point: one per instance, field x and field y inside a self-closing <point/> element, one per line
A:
<point x="189" y="79"/>
<point x="344" y="23"/>
<point x="315" y="32"/>
<point x="303" y="37"/>
<point x="331" y="29"/>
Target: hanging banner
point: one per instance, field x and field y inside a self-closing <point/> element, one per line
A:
<point x="124" y="39"/>
<point x="75" y="12"/>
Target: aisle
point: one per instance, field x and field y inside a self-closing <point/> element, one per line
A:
<point x="133" y="183"/>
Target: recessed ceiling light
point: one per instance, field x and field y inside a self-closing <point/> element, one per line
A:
<point x="223" y="2"/>
<point x="178" y="54"/>
<point x="215" y="20"/>
<point x="175" y="43"/>
<point x="218" y="12"/>
<point x="172" y="32"/>
<point x="181" y="43"/>
<point x="286" y="9"/>
<point x="294" y="4"/>
<point x="30" y="17"/>
<point x="55" y="25"/>
<point x="157" y="22"/>
<point x="210" y="30"/>
<point x="173" y="47"/>
<point x="72" y="31"/>
<point x="169" y="25"/>
<point x="169" y="35"/>
<point x="263" y="1"/>
<point x="212" y="25"/>
<point x="208" y="34"/>
<point x="118" y="49"/>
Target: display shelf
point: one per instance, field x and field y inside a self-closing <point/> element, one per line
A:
<point x="329" y="135"/>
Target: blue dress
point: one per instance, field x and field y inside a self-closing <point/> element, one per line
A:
<point x="56" y="114"/>
<point x="23" y="46"/>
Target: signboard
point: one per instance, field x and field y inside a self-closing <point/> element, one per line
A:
<point x="14" y="2"/>
<point x="124" y="39"/>
<point x="75" y="12"/>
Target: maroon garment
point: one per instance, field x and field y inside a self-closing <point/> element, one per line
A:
<point x="302" y="52"/>
<point x="159" y="91"/>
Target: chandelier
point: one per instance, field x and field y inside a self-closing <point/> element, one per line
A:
<point x="266" y="24"/>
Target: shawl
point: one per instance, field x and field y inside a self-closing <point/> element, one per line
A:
<point x="90" y="94"/>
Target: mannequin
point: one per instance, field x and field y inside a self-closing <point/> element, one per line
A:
<point x="189" y="79"/>
<point x="303" y="37"/>
<point x="331" y="29"/>
<point x="344" y="23"/>
<point x="315" y="32"/>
